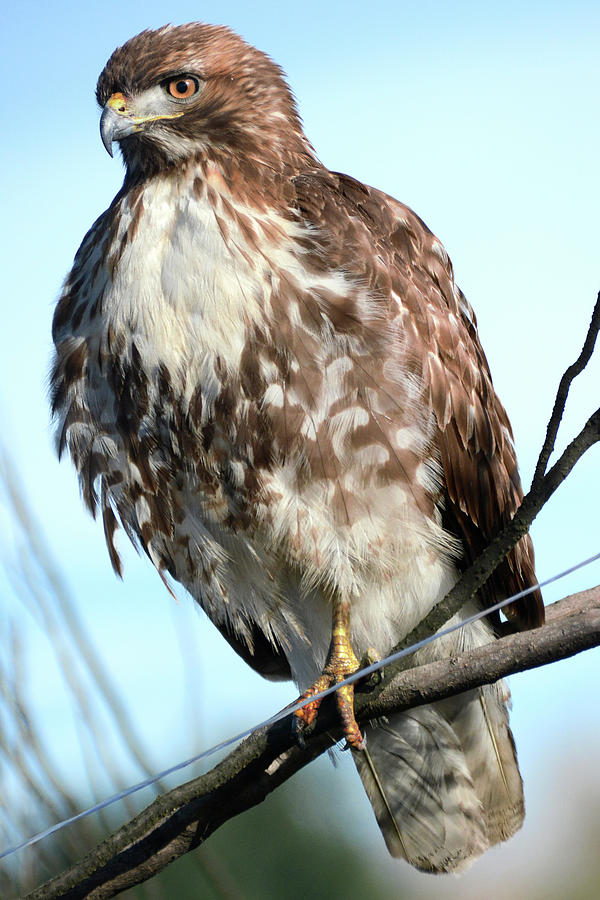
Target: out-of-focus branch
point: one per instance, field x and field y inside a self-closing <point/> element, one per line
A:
<point x="59" y="599"/>
<point x="182" y="819"/>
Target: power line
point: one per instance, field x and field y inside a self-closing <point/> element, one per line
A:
<point x="361" y="673"/>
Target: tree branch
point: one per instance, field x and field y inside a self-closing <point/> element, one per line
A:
<point x="543" y="486"/>
<point x="478" y="573"/>
<point x="563" y="391"/>
<point x="182" y="819"/>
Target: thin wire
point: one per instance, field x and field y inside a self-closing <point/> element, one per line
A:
<point x="288" y="710"/>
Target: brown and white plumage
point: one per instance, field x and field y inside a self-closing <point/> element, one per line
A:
<point x="266" y="374"/>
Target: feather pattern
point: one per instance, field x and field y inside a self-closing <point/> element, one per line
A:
<point x="267" y="376"/>
<point x="443" y="781"/>
<point x="450" y="766"/>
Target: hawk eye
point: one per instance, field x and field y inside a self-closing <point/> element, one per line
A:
<point x="182" y="88"/>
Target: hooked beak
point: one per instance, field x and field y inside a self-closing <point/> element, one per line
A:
<point x="118" y="120"/>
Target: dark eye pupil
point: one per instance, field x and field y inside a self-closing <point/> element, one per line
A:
<point x="181" y="87"/>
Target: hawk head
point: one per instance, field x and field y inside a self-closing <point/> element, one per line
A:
<point x="183" y="91"/>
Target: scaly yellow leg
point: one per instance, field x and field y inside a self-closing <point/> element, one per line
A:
<point x="341" y="662"/>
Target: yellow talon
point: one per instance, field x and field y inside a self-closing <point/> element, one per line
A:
<point x="341" y="662"/>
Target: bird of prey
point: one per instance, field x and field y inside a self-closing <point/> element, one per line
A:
<point x="266" y="374"/>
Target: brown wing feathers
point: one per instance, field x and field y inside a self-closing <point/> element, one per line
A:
<point x="474" y="438"/>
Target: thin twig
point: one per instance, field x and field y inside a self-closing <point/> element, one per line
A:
<point x="563" y="391"/>
<point x="478" y="573"/>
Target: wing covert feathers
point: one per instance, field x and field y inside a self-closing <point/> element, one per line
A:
<point x="385" y="245"/>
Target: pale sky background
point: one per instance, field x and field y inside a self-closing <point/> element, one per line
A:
<point x="481" y="116"/>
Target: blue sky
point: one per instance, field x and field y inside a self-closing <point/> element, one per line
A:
<point x="484" y="119"/>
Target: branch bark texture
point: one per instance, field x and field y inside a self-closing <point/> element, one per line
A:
<point x="182" y="819"/>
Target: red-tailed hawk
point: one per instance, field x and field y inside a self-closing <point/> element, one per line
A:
<point x="267" y="375"/>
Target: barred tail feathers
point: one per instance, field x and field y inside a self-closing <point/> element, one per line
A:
<point x="443" y="780"/>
